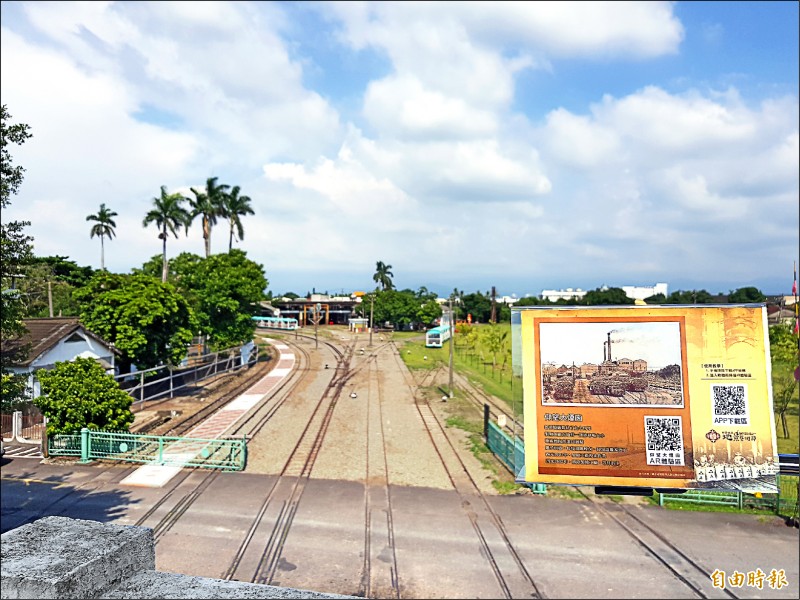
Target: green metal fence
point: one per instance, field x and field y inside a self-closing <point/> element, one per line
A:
<point x="785" y="502"/>
<point x="511" y="452"/>
<point x="226" y="454"/>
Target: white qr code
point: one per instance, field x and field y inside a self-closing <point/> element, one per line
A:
<point x="663" y="437"/>
<point x="729" y="405"/>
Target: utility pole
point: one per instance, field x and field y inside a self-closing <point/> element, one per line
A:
<point x="493" y="318"/>
<point x="452" y="335"/>
<point x="317" y="315"/>
<point x="371" y="308"/>
<point x="50" y="297"/>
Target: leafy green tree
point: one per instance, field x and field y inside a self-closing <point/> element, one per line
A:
<point x="429" y="311"/>
<point x="689" y="297"/>
<point x="169" y="215"/>
<point x="783" y="344"/>
<point x="397" y="307"/>
<point x="746" y="295"/>
<point x="208" y="204"/>
<point x="80" y="394"/>
<point x="656" y="299"/>
<point x="104" y="227"/>
<point x="15" y="252"/>
<point x="608" y="296"/>
<point x="234" y="208"/>
<point x="383" y="275"/>
<point x="495" y="339"/>
<point x="228" y="288"/>
<point x="223" y="291"/>
<point x="65" y="270"/>
<point x="532" y="301"/>
<point x="39" y="285"/>
<point x="476" y="304"/>
<point x="147" y="320"/>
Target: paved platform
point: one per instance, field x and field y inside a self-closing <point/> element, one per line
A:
<point x="215" y="426"/>
<point x="572" y="549"/>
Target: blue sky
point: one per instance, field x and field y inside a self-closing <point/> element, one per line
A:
<point x="526" y="146"/>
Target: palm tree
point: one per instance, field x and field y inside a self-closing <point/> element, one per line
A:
<point x="208" y="203"/>
<point x="103" y="227"/>
<point x="383" y="275"/>
<point x="236" y="206"/>
<point x="168" y="215"/>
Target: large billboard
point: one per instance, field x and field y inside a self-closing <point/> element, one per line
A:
<point x="648" y="396"/>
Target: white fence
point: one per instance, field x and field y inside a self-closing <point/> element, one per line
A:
<point x="163" y="381"/>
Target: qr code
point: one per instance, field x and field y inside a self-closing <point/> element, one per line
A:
<point x="664" y="440"/>
<point x="729" y="405"/>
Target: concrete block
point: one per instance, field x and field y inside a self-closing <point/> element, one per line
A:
<point x="158" y="584"/>
<point x="60" y="557"/>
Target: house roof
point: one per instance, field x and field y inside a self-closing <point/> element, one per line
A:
<point x="43" y="334"/>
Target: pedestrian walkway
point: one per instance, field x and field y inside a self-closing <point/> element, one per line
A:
<point x="17" y="450"/>
<point x="213" y="427"/>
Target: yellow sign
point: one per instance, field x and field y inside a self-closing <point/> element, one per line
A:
<point x="656" y="396"/>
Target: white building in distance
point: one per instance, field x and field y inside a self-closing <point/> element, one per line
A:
<point x="632" y="291"/>
<point x="567" y="294"/>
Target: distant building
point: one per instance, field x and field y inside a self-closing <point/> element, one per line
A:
<point x="567" y="294"/>
<point x="51" y="340"/>
<point x="641" y="292"/>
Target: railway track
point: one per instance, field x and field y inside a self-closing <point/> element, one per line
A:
<point x="259" y="553"/>
<point x="379" y="577"/>
<point x="492" y="537"/>
<point x="688" y="572"/>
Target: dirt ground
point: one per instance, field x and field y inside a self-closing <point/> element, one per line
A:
<point x="411" y="458"/>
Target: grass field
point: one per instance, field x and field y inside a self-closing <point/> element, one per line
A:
<point x="475" y="362"/>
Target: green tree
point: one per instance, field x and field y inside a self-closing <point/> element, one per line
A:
<point x="783" y="344"/>
<point x="103" y="227"/>
<point x="80" y="394"/>
<point x="656" y="299"/>
<point x="494" y="338"/>
<point x="429" y="311"/>
<point x="169" y="215"/>
<point x="383" y="275"/>
<point x="228" y="288"/>
<point x="15" y="252"/>
<point x="147" y="320"/>
<point x="397" y="307"/>
<point x="65" y="270"/>
<point x="39" y="285"/>
<point x="746" y="295"/>
<point x="532" y="301"/>
<point x="688" y="297"/>
<point x="606" y="296"/>
<point x="208" y="204"/>
<point x="234" y="208"/>
<point x="476" y="304"/>
<point x="223" y="291"/>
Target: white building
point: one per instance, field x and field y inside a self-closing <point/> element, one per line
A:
<point x="642" y="292"/>
<point x="52" y="340"/>
<point x="567" y="294"/>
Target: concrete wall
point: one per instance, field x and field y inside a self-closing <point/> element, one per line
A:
<point x="59" y="557"/>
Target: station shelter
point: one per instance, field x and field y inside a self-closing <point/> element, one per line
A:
<point x="358" y="325"/>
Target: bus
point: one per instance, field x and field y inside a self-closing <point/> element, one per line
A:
<point x="289" y="323"/>
<point x="436" y="336"/>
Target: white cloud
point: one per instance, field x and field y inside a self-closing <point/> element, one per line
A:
<point x="438" y="159"/>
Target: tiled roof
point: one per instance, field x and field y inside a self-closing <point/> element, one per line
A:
<point x="43" y="334"/>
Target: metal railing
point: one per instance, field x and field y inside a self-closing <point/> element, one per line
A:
<point x="225" y="454"/>
<point x="784" y="502"/>
<point x="165" y="380"/>
<point x="510" y="452"/>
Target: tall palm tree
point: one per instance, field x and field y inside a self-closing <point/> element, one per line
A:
<point x="103" y="227"/>
<point x="383" y="275"/>
<point x="168" y="214"/>
<point x="208" y="203"/>
<point x="234" y="208"/>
